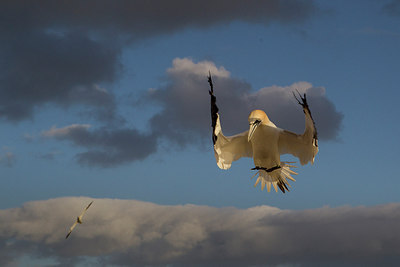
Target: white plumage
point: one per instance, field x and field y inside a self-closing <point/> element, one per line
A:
<point x="265" y="142"/>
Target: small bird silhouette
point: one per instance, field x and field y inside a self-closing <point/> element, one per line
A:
<point x="78" y="220"/>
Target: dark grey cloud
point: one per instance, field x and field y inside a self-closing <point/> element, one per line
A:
<point x="185" y="117"/>
<point x="67" y="69"/>
<point x="59" y="52"/>
<point x="105" y="147"/>
<point x="141" y="18"/>
<point x="129" y="232"/>
<point x="392" y="8"/>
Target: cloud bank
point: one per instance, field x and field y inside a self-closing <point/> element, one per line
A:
<point x="135" y="233"/>
<point x="60" y="53"/>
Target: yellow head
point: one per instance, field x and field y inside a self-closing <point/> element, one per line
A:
<point x="256" y="118"/>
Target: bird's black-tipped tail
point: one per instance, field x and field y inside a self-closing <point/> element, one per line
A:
<point x="277" y="177"/>
<point x="214" y="108"/>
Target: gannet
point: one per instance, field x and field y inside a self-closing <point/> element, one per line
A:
<point x="265" y="142"/>
<point x="78" y="220"/>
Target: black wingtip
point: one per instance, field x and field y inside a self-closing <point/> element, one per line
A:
<point x="305" y="106"/>
<point x="210" y="82"/>
<point x="214" y="108"/>
<point x="89" y="205"/>
<point x="303" y="99"/>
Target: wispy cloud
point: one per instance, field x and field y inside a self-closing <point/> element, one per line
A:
<point x="7" y="158"/>
<point x="378" y="32"/>
<point x="71" y="130"/>
<point x="51" y="155"/>
<point x="130" y="232"/>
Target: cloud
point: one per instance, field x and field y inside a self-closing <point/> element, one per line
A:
<point x="66" y="70"/>
<point x="149" y="18"/>
<point x="392" y="8"/>
<point x="185" y="116"/>
<point x="185" y="119"/>
<point x="130" y="232"/>
<point x="378" y="32"/>
<point x="8" y="158"/>
<point x="61" y="53"/>
<point x="106" y="147"/>
<point x="49" y="155"/>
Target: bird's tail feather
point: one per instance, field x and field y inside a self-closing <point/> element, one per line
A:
<point x="277" y="178"/>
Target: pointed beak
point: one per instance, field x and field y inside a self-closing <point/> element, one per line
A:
<point x="253" y="127"/>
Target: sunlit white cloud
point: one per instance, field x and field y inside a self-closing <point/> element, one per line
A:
<point x="187" y="67"/>
<point x="132" y="232"/>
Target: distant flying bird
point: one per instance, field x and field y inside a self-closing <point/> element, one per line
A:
<point x="265" y="142"/>
<point x="78" y="220"/>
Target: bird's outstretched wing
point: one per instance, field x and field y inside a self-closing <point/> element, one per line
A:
<point x="303" y="146"/>
<point x="83" y="212"/>
<point x="226" y="148"/>
<point x="71" y="229"/>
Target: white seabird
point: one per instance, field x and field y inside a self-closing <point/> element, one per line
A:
<point x="78" y="220"/>
<point x="265" y="142"/>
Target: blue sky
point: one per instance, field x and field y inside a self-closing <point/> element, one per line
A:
<point x="106" y="102"/>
